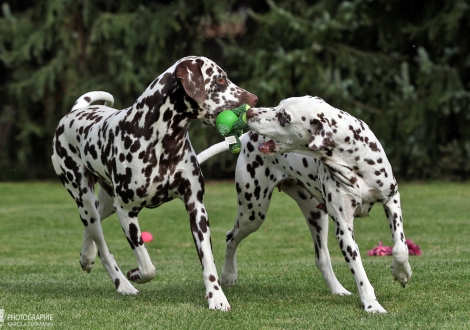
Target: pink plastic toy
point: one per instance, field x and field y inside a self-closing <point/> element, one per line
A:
<point x="147" y="237"/>
<point x="381" y="250"/>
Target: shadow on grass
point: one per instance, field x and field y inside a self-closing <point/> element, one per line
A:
<point x="34" y="284"/>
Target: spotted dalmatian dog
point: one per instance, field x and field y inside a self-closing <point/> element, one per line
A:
<point x="330" y="163"/>
<point x="353" y="174"/>
<point x="257" y="175"/>
<point x="142" y="157"/>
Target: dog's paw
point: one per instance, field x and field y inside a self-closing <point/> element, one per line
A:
<point x="401" y="272"/>
<point x="125" y="288"/>
<point x="86" y="265"/>
<point x="374" y="307"/>
<point x="228" y="279"/>
<point x="335" y="286"/>
<point x="136" y="276"/>
<point x="340" y="291"/>
<point x="87" y="254"/>
<point x="218" y="301"/>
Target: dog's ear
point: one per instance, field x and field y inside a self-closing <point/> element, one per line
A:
<point x="322" y="136"/>
<point x="190" y="75"/>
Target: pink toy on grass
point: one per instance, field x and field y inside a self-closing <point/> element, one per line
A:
<point x="381" y="250"/>
<point x="147" y="237"/>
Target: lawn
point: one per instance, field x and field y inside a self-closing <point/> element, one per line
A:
<point x="279" y="286"/>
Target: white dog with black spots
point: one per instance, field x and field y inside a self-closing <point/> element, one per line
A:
<point x="142" y="157"/>
<point x="330" y="163"/>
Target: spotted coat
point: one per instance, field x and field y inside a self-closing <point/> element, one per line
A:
<point x="142" y="157"/>
<point x="330" y="163"/>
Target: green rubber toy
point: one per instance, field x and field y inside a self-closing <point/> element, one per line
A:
<point x="230" y="124"/>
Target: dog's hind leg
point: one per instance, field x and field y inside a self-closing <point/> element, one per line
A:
<point x="317" y="221"/>
<point x="79" y="182"/>
<point x="341" y="207"/>
<point x="91" y="219"/>
<point x="400" y="268"/>
<point x="88" y="252"/>
<point x="130" y="225"/>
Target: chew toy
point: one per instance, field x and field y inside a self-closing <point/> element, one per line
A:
<point x="381" y="250"/>
<point x="147" y="237"/>
<point x="230" y="124"/>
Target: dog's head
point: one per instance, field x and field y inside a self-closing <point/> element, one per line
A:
<point x="209" y="87"/>
<point x="296" y="124"/>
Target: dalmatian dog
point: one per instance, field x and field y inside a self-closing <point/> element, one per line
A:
<point x="312" y="181"/>
<point x="142" y="157"/>
<point x="257" y="175"/>
<point x="340" y="165"/>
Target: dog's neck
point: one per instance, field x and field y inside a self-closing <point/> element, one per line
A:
<point x="163" y="108"/>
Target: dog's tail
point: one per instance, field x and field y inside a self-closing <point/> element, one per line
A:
<point x="90" y="97"/>
<point x="213" y="150"/>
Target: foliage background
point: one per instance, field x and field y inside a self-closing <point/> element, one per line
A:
<point x="401" y="66"/>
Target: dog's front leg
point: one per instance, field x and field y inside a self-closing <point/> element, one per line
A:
<point x="200" y="229"/>
<point x="400" y="268"/>
<point x="249" y="219"/>
<point x="317" y="221"/>
<point x="341" y="207"/>
<point x="250" y="214"/>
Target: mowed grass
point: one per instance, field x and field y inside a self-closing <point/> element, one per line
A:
<point x="279" y="286"/>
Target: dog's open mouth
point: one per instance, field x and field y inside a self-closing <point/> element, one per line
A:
<point x="268" y="147"/>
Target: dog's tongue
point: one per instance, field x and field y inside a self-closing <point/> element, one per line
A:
<point x="267" y="147"/>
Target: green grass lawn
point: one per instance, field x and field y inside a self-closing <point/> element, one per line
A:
<point x="279" y="286"/>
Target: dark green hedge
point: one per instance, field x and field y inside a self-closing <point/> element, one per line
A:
<point x="401" y="66"/>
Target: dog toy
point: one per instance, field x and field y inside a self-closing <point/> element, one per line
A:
<point x="147" y="237"/>
<point x="381" y="250"/>
<point x="230" y="124"/>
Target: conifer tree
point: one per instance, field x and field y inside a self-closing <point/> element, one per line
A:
<point x="401" y="66"/>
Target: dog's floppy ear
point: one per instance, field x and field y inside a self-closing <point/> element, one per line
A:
<point x="190" y="75"/>
<point x="322" y="136"/>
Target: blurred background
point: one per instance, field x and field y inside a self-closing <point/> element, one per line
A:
<point x="401" y="66"/>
